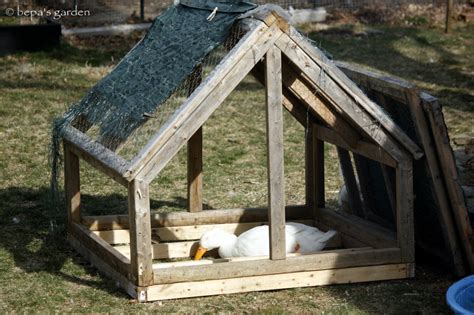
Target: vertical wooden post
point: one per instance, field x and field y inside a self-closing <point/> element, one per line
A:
<point x="140" y="233"/>
<point x="310" y="181"/>
<point x="195" y="154"/>
<point x="319" y="171"/>
<point x="449" y="16"/>
<point x="72" y="185"/>
<point x="275" y="158"/>
<point x="314" y="171"/>
<point x="350" y="181"/>
<point x="195" y="172"/>
<point x="405" y="220"/>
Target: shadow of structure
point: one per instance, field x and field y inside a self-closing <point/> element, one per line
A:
<point x="33" y="231"/>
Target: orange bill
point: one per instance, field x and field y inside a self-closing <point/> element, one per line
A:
<point x="200" y="252"/>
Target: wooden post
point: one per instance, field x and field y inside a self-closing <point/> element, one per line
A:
<point x="309" y="169"/>
<point x="195" y="172"/>
<point x="275" y="158"/>
<point x="449" y="16"/>
<point x="319" y="171"/>
<point x="140" y="233"/>
<point x="350" y="181"/>
<point x="405" y="218"/>
<point x="195" y="153"/>
<point x="72" y="185"/>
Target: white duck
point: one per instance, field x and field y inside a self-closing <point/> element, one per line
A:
<point x="300" y="238"/>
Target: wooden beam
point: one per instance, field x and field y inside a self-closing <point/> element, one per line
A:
<point x="331" y="90"/>
<point x="98" y="262"/>
<point x="140" y="233"/>
<point x="367" y="232"/>
<point x="184" y="233"/>
<point x="332" y="74"/>
<point x="386" y="85"/>
<point x="195" y="153"/>
<point x="450" y="173"/>
<point x="180" y="218"/>
<point x="94" y="244"/>
<point x="310" y="175"/>
<point x="254" y="42"/>
<point x="72" y="185"/>
<point x="405" y="217"/>
<point x="319" y="171"/>
<point x="350" y="182"/>
<point x="446" y="220"/>
<point x="279" y="281"/>
<point x="307" y="94"/>
<point x="451" y="177"/>
<point x="195" y="172"/>
<point x="251" y="266"/>
<point x="96" y="154"/>
<point x="366" y="149"/>
<point x="275" y="156"/>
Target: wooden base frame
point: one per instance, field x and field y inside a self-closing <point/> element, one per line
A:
<point x="362" y="252"/>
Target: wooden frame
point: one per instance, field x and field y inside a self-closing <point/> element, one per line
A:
<point x="126" y="247"/>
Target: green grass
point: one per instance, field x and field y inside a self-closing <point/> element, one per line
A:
<point x="40" y="272"/>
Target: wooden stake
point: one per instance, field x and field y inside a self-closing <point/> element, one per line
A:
<point x="275" y="157"/>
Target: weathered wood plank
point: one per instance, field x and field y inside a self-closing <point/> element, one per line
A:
<point x="195" y="172"/>
<point x="363" y="148"/>
<point x="96" y="155"/>
<point x="183" y="233"/>
<point x="451" y="178"/>
<point x="259" y="32"/>
<point x="330" y="89"/>
<point x="310" y="175"/>
<point x="387" y="85"/>
<point x="260" y="266"/>
<point x="405" y="217"/>
<point x="275" y="156"/>
<point x="72" y="185"/>
<point x="319" y="172"/>
<point x="307" y="95"/>
<point x="140" y="233"/>
<point x="367" y="232"/>
<point x="350" y="181"/>
<point x="180" y="218"/>
<point x="103" y="266"/>
<point x="445" y="216"/>
<point x="332" y="72"/>
<point x="279" y="281"/>
<point x="94" y="244"/>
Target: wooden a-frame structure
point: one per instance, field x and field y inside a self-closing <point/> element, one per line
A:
<point x="299" y="78"/>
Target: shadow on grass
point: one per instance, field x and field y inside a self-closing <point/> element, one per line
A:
<point x="415" y="54"/>
<point x="34" y="233"/>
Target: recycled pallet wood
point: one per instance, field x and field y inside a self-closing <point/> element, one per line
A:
<point x="412" y="109"/>
<point x="136" y="249"/>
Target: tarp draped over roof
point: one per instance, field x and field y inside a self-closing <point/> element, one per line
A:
<point x="176" y="43"/>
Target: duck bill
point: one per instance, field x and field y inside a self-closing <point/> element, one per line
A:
<point x="200" y="252"/>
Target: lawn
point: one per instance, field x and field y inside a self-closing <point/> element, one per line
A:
<point x="40" y="272"/>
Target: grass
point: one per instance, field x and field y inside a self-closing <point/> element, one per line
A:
<point x="40" y="272"/>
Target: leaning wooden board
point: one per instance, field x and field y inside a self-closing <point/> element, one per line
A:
<point x="451" y="176"/>
<point x="436" y="231"/>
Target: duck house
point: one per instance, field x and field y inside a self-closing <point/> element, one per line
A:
<point x="300" y="79"/>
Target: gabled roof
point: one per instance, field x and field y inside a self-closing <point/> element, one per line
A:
<point x="314" y="90"/>
<point x="312" y="83"/>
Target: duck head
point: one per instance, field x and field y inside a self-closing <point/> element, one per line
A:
<point x="215" y="238"/>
